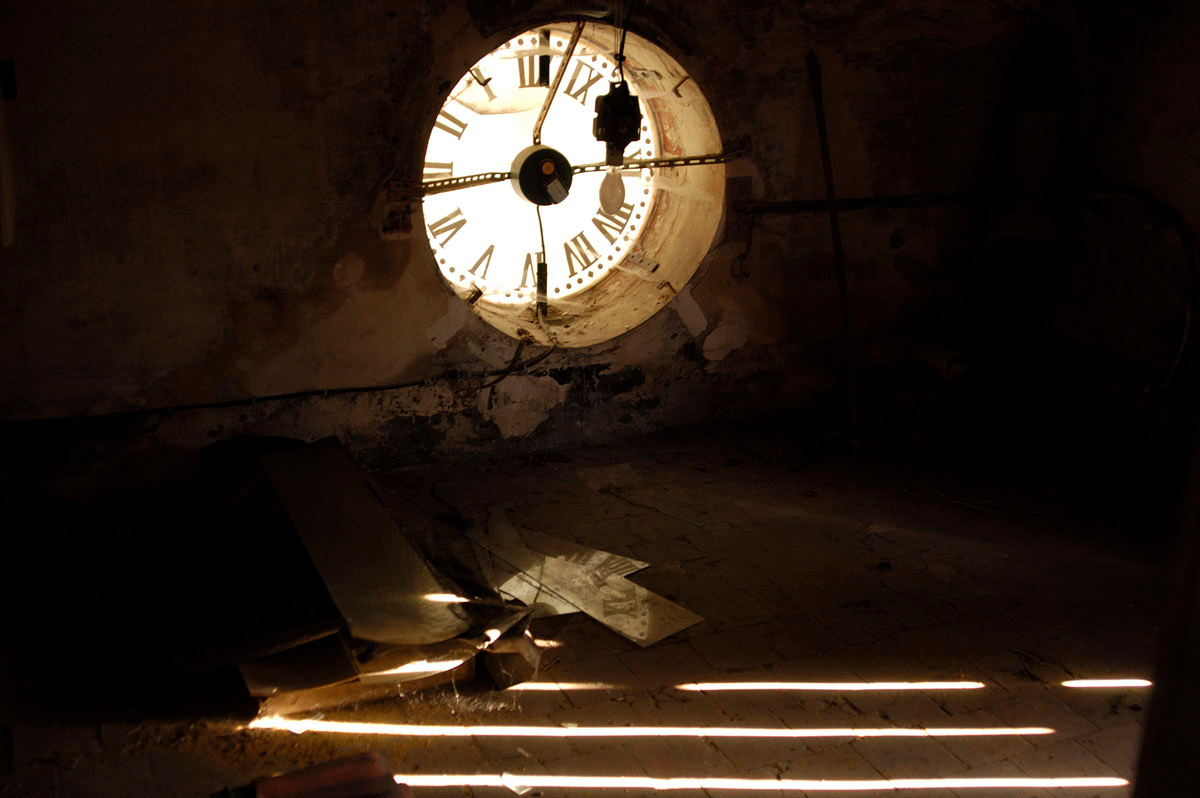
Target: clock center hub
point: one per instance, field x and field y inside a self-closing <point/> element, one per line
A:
<point x="541" y="175"/>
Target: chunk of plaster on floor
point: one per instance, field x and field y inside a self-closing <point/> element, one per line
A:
<point x="690" y="313"/>
<point x="728" y="336"/>
<point x="519" y="404"/>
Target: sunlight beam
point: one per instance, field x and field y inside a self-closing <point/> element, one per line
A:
<point x="418" y="667"/>
<point x="299" y="726"/>
<point x="1108" y="683"/>
<point x="550" y="687"/>
<point x="446" y="598"/>
<point x="707" y="687"/>
<point x="531" y="781"/>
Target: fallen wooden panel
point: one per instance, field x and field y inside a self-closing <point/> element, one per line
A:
<point x="377" y="579"/>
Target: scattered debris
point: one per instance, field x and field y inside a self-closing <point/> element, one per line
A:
<point x="556" y="576"/>
<point x="321" y="598"/>
<point x="396" y="622"/>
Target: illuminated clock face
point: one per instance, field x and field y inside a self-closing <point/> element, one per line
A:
<point x="486" y="238"/>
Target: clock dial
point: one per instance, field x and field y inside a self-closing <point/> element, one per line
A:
<point x="486" y="238"/>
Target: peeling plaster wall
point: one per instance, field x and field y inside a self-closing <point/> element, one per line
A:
<point x="198" y="197"/>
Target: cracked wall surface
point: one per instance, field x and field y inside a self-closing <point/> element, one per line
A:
<point x="199" y="196"/>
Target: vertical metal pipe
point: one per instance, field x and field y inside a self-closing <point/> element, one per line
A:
<point x="835" y="231"/>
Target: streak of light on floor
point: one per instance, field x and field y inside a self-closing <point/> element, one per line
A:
<point x="709" y="687"/>
<point x="1107" y="683"/>
<point x="517" y="781"/>
<point x="299" y="726"/>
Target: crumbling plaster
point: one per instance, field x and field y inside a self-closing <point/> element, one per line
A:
<point x="199" y="192"/>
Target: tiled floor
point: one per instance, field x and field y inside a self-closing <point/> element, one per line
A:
<point x="1014" y="572"/>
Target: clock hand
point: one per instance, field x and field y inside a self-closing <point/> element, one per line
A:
<point x="562" y="68"/>
<point x="400" y="190"/>
<point x="734" y="151"/>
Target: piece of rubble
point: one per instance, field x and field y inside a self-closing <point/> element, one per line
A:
<point x="511" y="660"/>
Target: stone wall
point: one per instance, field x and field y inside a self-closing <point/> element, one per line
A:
<point x="199" y="193"/>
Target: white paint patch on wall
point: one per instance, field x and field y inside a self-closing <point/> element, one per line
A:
<point x="518" y="404"/>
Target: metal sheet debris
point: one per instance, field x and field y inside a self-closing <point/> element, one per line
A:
<point x="525" y="549"/>
<point x="578" y="577"/>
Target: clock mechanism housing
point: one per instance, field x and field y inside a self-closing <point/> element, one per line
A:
<point x="609" y="265"/>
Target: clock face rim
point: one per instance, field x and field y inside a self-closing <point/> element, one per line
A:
<point x="682" y="217"/>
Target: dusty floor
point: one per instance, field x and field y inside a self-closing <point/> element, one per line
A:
<point x="865" y="565"/>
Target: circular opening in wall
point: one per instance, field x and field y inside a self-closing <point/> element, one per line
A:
<point x="618" y="242"/>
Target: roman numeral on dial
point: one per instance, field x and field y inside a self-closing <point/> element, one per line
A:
<point x="483" y="82"/>
<point x="485" y="260"/>
<point x="577" y="87"/>
<point x="610" y="225"/>
<point x="533" y="71"/>
<point x="579" y="251"/>
<point x="451" y="124"/>
<point x="449" y="225"/>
